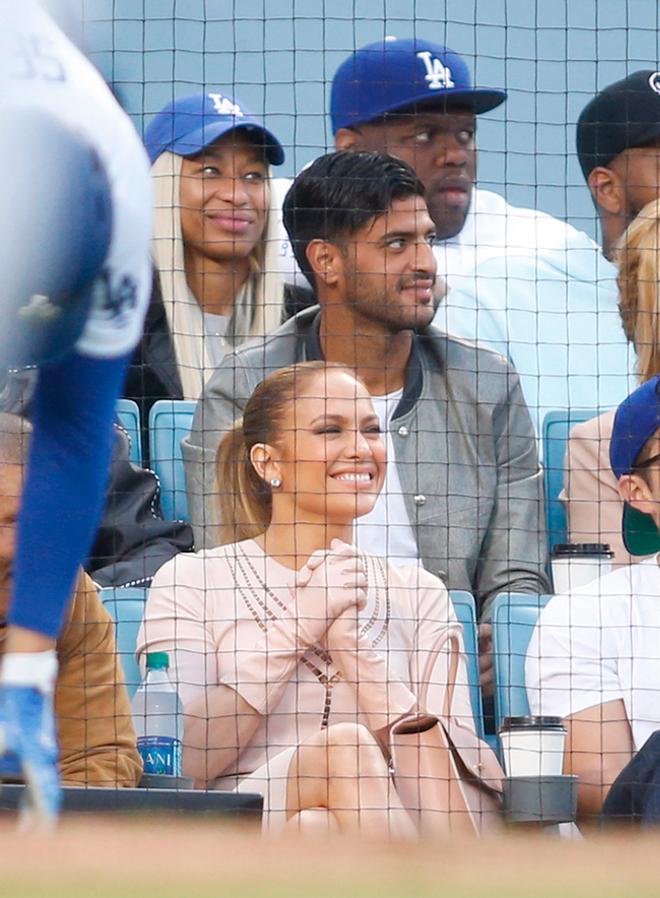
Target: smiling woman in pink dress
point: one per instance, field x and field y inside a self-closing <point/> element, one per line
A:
<point x="320" y="676"/>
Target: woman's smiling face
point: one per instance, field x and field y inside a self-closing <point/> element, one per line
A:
<point x="330" y="455"/>
<point x="224" y="197"/>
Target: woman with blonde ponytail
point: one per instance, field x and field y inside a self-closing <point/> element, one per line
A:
<point x="246" y="499"/>
<point x="324" y="678"/>
<point x="594" y="506"/>
<point x="218" y="245"/>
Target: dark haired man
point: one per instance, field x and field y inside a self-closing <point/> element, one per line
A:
<point x="520" y="280"/>
<point x="463" y="492"/>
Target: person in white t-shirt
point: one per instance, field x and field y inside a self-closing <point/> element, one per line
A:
<point x="594" y="657"/>
<point x="529" y="285"/>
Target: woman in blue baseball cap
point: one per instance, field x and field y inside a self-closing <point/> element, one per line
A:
<point x="217" y="245"/>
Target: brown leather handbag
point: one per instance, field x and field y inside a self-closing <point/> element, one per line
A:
<point x="447" y="778"/>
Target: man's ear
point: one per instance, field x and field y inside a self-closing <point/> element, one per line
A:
<point x="325" y="260"/>
<point x="607" y="189"/>
<point x="349" y="140"/>
<point x="264" y="461"/>
<point x="634" y="490"/>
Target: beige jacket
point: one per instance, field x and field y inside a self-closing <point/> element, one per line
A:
<point x="96" y="735"/>
<point x="590" y="495"/>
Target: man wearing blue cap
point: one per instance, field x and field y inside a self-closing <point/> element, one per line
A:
<point x="75" y="226"/>
<point x="594" y="657"/>
<point x="415" y="99"/>
<point x="520" y="280"/>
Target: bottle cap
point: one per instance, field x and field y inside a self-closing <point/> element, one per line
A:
<point x="158" y="661"/>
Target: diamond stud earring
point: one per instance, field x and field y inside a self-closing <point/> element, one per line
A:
<point x="275" y="482"/>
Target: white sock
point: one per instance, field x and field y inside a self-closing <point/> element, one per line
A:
<point x="37" y="669"/>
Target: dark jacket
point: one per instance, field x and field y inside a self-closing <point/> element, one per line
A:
<point x="154" y="374"/>
<point x="133" y="540"/>
<point x="634" y="796"/>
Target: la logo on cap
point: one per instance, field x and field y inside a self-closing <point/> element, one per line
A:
<point x="224" y="106"/>
<point x="654" y="82"/>
<point x="437" y="74"/>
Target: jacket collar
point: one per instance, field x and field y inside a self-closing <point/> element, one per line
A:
<point x="412" y="387"/>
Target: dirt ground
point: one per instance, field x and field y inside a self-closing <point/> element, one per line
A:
<point x="99" y="858"/>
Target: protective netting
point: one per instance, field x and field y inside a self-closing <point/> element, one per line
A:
<point x="414" y="342"/>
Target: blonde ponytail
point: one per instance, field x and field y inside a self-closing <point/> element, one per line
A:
<point x="246" y="499"/>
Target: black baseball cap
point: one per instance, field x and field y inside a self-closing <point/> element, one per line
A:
<point x="625" y="114"/>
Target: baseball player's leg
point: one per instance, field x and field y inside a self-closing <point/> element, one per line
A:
<point x="62" y="503"/>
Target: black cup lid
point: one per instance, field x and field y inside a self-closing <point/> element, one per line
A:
<point x="577" y="550"/>
<point x="532" y="723"/>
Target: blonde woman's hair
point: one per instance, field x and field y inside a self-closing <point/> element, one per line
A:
<point x="258" y="307"/>
<point x="246" y="499"/>
<point x="638" y="260"/>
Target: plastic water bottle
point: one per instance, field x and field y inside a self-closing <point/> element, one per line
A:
<point x="156" y="714"/>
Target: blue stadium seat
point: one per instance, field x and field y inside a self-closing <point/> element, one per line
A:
<point x="514" y="618"/>
<point x="465" y="608"/>
<point x="129" y="418"/>
<point x="556" y="428"/>
<point x="170" y="421"/>
<point x="126" y="607"/>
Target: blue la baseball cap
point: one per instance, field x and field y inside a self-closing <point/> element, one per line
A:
<point x="187" y="125"/>
<point x="393" y="74"/>
<point x="635" y="422"/>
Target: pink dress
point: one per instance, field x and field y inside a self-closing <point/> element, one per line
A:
<point x="209" y="608"/>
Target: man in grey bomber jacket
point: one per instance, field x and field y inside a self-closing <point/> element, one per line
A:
<point x="464" y="493"/>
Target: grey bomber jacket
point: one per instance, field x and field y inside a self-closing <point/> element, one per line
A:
<point x="463" y="442"/>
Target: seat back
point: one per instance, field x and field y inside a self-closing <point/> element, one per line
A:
<point x="514" y="617"/>
<point x="465" y="608"/>
<point x="126" y="607"/>
<point x="556" y="429"/>
<point x="170" y="421"/>
<point x="129" y="418"/>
